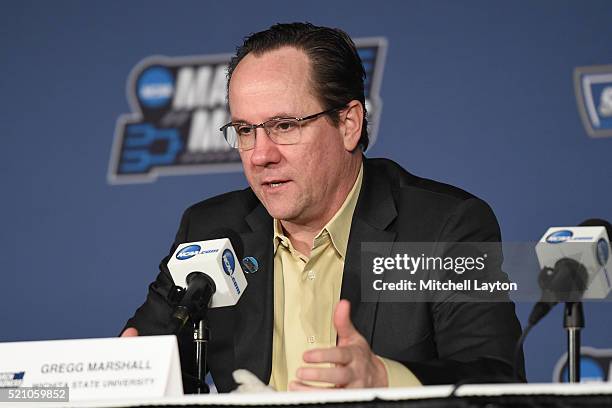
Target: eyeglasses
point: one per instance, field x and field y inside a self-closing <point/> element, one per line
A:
<point x="283" y="131"/>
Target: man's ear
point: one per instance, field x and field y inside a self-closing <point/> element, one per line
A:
<point x="351" y="123"/>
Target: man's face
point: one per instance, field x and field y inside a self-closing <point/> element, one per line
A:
<point x="300" y="183"/>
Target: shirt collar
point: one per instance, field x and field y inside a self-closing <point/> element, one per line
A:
<point x="338" y="228"/>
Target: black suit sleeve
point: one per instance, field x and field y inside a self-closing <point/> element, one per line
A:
<point x="475" y="341"/>
<point x="154" y="316"/>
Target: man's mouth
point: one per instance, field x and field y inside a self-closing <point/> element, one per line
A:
<point x="275" y="183"/>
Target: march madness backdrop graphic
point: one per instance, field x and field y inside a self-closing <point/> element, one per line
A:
<point x="178" y="105"/>
<point x="593" y="88"/>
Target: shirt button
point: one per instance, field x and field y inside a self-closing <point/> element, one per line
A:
<point x="312" y="275"/>
<point x="311" y="339"/>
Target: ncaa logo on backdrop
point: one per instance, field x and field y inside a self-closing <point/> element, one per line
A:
<point x="593" y="87"/>
<point x="178" y="105"/>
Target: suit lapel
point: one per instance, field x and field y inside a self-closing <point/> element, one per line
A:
<point x="372" y="219"/>
<point x="257" y="303"/>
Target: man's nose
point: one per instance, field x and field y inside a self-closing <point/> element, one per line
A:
<point x="265" y="150"/>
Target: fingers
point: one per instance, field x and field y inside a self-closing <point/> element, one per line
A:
<point x="342" y="321"/>
<point x="339" y="376"/>
<point x="354" y="363"/>
<point x="336" y="355"/>
<point x="300" y="386"/>
<point x="129" y="332"/>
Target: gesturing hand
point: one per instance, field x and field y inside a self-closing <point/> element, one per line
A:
<point x="355" y="365"/>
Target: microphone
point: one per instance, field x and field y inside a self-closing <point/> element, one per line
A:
<point x="575" y="264"/>
<point x="195" y="300"/>
<point x="206" y="274"/>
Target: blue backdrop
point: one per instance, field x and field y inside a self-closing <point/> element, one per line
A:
<point x="476" y="93"/>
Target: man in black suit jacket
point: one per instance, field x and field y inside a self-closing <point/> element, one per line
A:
<point x="301" y="166"/>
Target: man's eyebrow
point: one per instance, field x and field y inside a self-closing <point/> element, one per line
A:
<point x="278" y="115"/>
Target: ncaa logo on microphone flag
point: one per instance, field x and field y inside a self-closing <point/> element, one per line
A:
<point x="228" y="262"/>
<point x="559" y="236"/>
<point x="178" y="105"/>
<point x="593" y="88"/>
<point x="188" y="252"/>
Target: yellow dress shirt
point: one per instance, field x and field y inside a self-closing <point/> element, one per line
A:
<point x="306" y="291"/>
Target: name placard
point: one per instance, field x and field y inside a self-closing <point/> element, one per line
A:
<point x="95" y="369"/>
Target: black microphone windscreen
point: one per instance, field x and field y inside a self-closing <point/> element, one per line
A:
<point x="598" y="222"/>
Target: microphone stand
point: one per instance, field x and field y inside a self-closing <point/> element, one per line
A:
<point x="192" y="308"/>
<point x="573" y="322"/>
<point x="566" y="282"/>
<point x="200" y="339"/>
